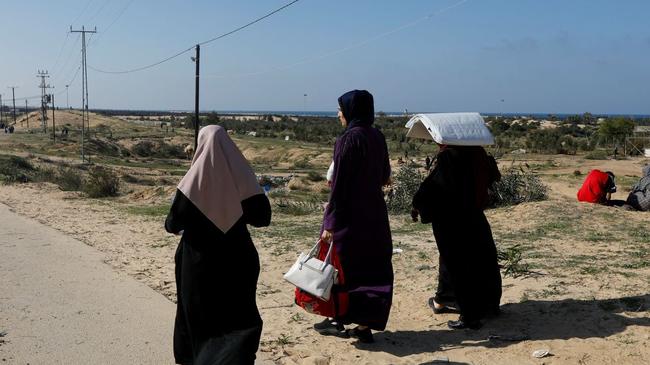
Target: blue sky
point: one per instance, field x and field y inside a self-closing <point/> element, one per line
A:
<point x="555" y="56"/>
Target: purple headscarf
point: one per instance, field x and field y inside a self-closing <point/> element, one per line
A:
<point x="358" y="108"/>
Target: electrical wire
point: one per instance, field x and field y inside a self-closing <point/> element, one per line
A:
<point x="200" y="43"/>
<point x="119" y="15"/>
<point x="67" y="61"/>
<point x="82" y="12"/>
<point x="98" y="11"/>
<point x="341" y="50"/>
<point x="143" y="67"/>
<point x="58" y="57"/>
<point x="249" y="24"/>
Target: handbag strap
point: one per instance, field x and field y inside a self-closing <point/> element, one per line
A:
<point x="314" y="251"/>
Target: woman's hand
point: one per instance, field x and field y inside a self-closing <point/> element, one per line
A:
<point x="327" y="236"/>
<point x="414" y="214"/>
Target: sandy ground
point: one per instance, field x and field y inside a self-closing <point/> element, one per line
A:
<point x="589" y="303"/>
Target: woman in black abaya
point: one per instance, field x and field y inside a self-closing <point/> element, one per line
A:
<point x="452" y="198"/>
<point x="217" y="266"/>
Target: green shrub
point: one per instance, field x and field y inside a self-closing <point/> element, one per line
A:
<point x="315" y="176"/>
<point x="406" y="183"/>
<point x="302" y="164"/>
<point x="297" y="207"/>
<point x="596" y="155"/>
<point x="144" y="148"/>
<point x="158" y="149"/>
<point x="15" y="169"/>
<point x="69" y="179"/>
<point x="517" y="186"/>
<point x="101" y="183"/>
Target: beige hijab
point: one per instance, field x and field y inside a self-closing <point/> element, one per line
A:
<point x="219" y="178"/>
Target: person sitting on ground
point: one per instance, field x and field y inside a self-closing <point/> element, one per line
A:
<point x="639" y="197"/>
<point x="598" y="187"/>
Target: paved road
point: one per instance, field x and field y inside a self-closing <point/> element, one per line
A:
<point x="61" y="304"/>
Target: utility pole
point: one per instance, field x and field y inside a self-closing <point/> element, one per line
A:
<point x="84" y="85"/>
<point x="43" y="75"/>
<point x="67" y="97"/>
<point x="53" y="123"/>
<point x="1" y="107"/>
<point x="27" y="114"/>
<point x="13" y="95"/>
<point x="196" y="59"/>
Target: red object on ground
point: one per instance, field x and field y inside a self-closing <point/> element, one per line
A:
<point x="593" y="190"/>
<point x="337" y="305"/>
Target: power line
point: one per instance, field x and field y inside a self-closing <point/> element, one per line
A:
<point x="58" y="57"/>
<point x="249" y="24"/>
<point x="82" y="12"/>
<point x="201" y="43"/>
<point x="344" y="49"/>
<point x="98" y="11"/>
<point x="143" y="67"/>
<point x="119" y="15"/>
<point x="67" y="61"/>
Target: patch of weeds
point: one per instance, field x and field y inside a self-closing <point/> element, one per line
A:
<point x="510" y="261"/>
<point x="593" y="270"/>
<point x="149" y="210"/>
<point x="524" y="297"/>
<point x="599" y="236"/>
<point x="424" y="268"/>
<point x="302" y="164"/>
<point x="282" y="249"/>
<point x="315" y="176"/>
<point x="640" y="234"/>
<point x="15" y="169"/>
<point x="596" y="155"/>
<point x="517" y="186"/>
<point x="422" y="255"/>
<point x="69" y="179"/>
<point x="553" y="290"/>
<point x="297" y="317"/>
<point x="283" y="340"/>
<point x="406" y="183"/>
<point x="297" y="207"/>
<point x="101" y="183"/>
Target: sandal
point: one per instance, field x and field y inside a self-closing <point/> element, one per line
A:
<point x="364" y="335"/>
<point x="445" y="308"/>
<point x="329" y="327"/>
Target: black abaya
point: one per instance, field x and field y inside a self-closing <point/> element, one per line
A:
<point x="452" y="199"/>
<point x="217" y="320"/>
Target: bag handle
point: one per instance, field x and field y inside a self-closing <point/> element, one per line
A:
<point x="314" y="251"/>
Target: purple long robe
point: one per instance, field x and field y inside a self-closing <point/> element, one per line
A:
<point x="357" y="215"/>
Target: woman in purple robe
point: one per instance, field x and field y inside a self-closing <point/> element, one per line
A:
<point x="356" y="219"/>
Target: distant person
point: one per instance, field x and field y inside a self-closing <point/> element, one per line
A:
<point x="427" y="163"/>
<point x="598" y="188"/>
<point x="11" y="129"/>
<point x="452" y="198"/>
<point x="217" y="265"/>
<point x="356" y="220"/>
<point x="639" y="197"/>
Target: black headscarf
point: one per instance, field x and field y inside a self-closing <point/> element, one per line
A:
<point x="358" y="108"/>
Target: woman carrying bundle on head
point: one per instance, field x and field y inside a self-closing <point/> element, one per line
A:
<point x="452" y="198"/>
<point x="217" y="266"/>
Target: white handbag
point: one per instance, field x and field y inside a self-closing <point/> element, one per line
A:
<point x="312" y="275"/>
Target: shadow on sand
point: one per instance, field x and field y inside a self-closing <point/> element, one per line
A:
<point x="530" y="320"/>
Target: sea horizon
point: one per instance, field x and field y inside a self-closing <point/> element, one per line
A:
<point x="299" y="113"/>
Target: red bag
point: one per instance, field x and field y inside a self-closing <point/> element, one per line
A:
<point x="337" y="305"/>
